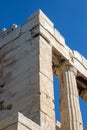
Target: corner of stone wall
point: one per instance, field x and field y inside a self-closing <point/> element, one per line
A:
<point x="18" y="122"/>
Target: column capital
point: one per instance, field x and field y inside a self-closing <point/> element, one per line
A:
<point x="66" y="67"/>
<point x="70" y="68"/>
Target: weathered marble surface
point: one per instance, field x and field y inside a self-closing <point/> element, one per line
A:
<point x="29" y="55"/>
<point x="18" y="122"/>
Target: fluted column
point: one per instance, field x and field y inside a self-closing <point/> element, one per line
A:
<point x="69" y="103"/>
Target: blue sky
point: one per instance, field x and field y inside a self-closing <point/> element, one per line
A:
<point x="68" y="16"/>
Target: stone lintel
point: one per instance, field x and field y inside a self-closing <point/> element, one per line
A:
<point x="39" y="24"/>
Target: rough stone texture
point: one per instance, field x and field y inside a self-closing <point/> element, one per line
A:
<point x="20" y="66"/>
<point x="18" y="122"/>
<point x="29" y="55"/>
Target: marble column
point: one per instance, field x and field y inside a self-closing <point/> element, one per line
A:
<point x="69" y="102"/>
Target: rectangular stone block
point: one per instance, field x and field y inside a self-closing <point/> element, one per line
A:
<point x="78" y="56"/>
<point x="43" y="17"/>
<point x="31" y="23"/>
<point x="47" y="100"/>
<point x="18" y="122"/>
<point x="47" y="109"/>
<point x="46" y="122"/>
<point x="59" y="37"/>
<point x="46" y="85"/>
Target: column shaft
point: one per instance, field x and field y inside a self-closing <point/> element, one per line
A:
<point x="69" y="104"/>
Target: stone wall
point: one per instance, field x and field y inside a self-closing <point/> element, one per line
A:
<point x="26" y="77"/>
<point x="29" y="55"/>
<point x="18" y="122"/>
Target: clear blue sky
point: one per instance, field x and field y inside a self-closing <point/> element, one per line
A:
<point x="68" y="16"/>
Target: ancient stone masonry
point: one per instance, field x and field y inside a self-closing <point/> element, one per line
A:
<point x="29" y="56"/>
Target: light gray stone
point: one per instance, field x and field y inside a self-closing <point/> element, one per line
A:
<point x="29" y="56"/>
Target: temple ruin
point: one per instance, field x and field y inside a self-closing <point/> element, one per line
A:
<point x="29" y="56"/>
